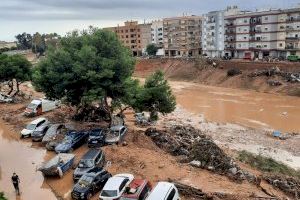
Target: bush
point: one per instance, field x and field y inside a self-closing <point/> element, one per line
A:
<point x="267" y="164"/>
<point x="233" y="72"/>
<point x="2" y="197"/>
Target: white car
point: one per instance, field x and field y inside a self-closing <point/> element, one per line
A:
<point x="116" y="186"/>
<point x="163" y="191"/>
<point x="30" y="128"/>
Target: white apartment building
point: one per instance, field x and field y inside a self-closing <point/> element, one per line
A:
<point x="254" y="35"/>
<point x="157" y="36"/>
<point x="213" y="34"/>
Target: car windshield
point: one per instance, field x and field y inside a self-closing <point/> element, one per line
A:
<point x="85" y="181"/>
<point x="31" y="127"/>
<point x="109" y="193"/>
<point x="86" y="163"/>
<point x="32" y="106"/>
<point x="95" y="133"/>
<point x="37" y="132"/>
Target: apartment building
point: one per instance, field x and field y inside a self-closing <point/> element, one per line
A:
<point x="290" y="19"/>
<point x="157" y="36"/>
<point x="182" y="35"/>
<point x="135" y="36"/>
<point x="254" y="35"/>
<point x="213" y="34"/>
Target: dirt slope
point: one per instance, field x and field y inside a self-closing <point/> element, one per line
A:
<point x="199" y="71"/>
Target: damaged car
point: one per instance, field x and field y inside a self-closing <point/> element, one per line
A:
<point x="92" y="159"/>
<point x="90" y="183"/>
<point x="115" y="135"/>
<point x="72" y="141"/>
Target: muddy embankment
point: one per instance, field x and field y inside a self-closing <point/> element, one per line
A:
<point x="199" y="71"/>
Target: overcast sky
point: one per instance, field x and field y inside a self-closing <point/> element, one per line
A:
<point x="61" y="16"/>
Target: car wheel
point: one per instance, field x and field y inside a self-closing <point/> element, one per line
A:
<point x="22" y="136"/>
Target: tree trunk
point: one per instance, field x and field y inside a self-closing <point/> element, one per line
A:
<point x="11" y="86"/>
<point x="153" y="115"/>
<point x="18" y="88"/>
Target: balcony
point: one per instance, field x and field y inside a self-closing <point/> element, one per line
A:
<point x="292" y="47"/>
<point x="292" y="38"/>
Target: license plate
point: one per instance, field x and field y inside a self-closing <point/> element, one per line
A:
<point x="94" y="142"/>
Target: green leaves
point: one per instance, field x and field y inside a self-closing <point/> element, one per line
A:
<point x="151" y="49"/>
<point x="85" y="67"/>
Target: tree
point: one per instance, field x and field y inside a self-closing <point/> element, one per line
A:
<point x="24" y="41"/>
<point x="15" y="68"/>
<point x="38" y="44"/>
<point x="87" y="68"/>
<point x="151" y="49"/>
<point x="156" y="96"/>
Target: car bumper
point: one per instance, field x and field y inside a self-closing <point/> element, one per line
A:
<point x="37" y="138"/>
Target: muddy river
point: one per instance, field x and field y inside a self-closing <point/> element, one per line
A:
<point x="248" y="108"/>
<point x="23" y="159"/>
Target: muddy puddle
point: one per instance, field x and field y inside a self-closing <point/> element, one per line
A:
<point x="23" y="159"/>
<point x="248" y="108"/>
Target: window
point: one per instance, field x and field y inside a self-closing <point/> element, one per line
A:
<point x="266" y="18"/>
<point x="266" y="28"/>
<point x="123" y="184"/>
<point x="171" y="195"/>
<point x="280" y="44"/>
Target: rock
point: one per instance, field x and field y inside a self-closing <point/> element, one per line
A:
<point x="195" y="163"/>
<point x="124" y="143"/>
<point x="211" y="168"/>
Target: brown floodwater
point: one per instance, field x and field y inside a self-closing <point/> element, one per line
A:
<point x="23" y="159"/>
<point x="244" y="107"/>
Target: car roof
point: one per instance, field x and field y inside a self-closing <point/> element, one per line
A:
<point x="36" y="121"/>
<point x="135" y="187"/>
<point x="92" y="153"/>
<point x="162" y="188"/>
<point x="113" y="183"/>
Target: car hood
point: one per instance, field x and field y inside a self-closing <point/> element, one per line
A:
<point x="26" y="132"/>
<point x="81" y="171"/>
<point x="38" y="134"/>
<point x="111" y="138"/>
<point x="63" y="147"/>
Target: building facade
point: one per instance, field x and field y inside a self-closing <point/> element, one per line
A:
<point x="182" y="36"/>
<point x="213" y="34"/>
<point x="255" y="35"/>
<point x="157" y="36"/>
<point x="135" y="36"/>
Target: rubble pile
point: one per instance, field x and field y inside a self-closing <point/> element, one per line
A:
<point x="191" y="192"/>
<point x="199" y="150"/>
<point x="289" y="185"/>
<point x="288" y="76"/>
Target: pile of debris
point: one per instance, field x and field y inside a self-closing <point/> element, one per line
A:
<point x="198" y="149"/>
<point x="289" y="185"/>
<point x="288" y="76"/>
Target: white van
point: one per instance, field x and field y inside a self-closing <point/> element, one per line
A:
<point x="164" y="191"/>
<point x="39" y="106"/>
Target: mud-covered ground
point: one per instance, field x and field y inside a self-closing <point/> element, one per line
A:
<point x="140" y="157"/>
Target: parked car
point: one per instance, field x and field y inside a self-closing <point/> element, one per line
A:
<point x="90" y="183"/>
<point x="39" y="106"/>
<point x="30" y="128"/>
<point x="97" y="138"/>
<point x="138" y="189"/>
<point x="72" y="141"/>
<point x="116" y="186"/>
<point x="163" y="191"/>
<point x="54" y="135"/>
<point x="116" y="134"/>
<point x="58" y="165"/>
<point x="92" y="159"/>
<point x="39" y="133"/>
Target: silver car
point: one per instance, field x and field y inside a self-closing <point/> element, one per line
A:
<point x="116" y="134"/>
